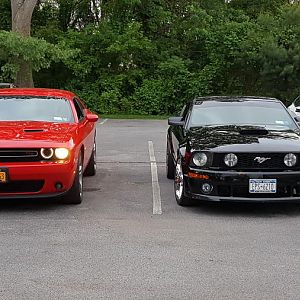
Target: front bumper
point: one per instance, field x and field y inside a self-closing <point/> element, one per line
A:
<point x="38" y="179"/>
<point x="232" y="186"/>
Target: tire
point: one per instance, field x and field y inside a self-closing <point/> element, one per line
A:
<point x="92" y="165"/>
<point x="75" y="194"/>
<point x="179" y="186"/>
<point x="170" y="168"/>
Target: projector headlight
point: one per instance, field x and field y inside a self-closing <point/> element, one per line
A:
<point x="62" y="153"/>
<point x="200" y="159"/>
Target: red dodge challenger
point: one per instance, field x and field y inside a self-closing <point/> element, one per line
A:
<point x="47" y="144"/>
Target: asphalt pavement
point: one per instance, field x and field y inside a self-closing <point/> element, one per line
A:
<point x="130" y="240"/>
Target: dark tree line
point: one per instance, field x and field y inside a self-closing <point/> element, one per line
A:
<point x="150" y="56"/>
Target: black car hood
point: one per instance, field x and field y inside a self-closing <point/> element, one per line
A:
<point x="243" y="139"/>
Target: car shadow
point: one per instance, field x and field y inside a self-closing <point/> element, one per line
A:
<point x="248" y="209"/>
<point x="22" y="205"/>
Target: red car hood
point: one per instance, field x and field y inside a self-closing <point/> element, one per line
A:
<point x="36" y="134"/>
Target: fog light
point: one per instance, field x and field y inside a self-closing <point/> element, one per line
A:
<point x="58" y="185"/>
<point x="207" y="188"/>
<point x="290" y="160"/>
<point x="231" y="160"/>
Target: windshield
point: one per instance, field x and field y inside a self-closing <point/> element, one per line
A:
<point x="18" y="108"/>
<point x="264" y="113"/>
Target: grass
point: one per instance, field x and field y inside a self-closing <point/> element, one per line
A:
<point x="139" y="117"/>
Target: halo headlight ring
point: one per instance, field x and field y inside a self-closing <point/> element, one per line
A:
<point x="47" y="153"/>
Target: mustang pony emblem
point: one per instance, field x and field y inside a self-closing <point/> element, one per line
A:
<point x="261" y="160"/>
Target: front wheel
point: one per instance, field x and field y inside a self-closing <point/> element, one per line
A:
<point x="75" y="194"/>
<point x="92" y="164"/>
<point x="179" y="186"/>
<point x="170" y="169"/>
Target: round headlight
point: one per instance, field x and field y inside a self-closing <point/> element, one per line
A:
<point x="61" y="153"/>
<point x="230" y="160"/>
<point x="47" y="153"/>
<point x="290" y="160"/>
<point x="200" y="159"/>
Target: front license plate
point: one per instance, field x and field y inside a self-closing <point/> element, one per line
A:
<point x="3" y="176"/>
<point x="264" y="186"/>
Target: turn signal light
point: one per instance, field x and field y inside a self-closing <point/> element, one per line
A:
<point x="198" y="176"/>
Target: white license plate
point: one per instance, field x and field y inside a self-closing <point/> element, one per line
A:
<point x="262" y="186"/>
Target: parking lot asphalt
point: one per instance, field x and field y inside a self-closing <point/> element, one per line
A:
<point x="115" y="245"/>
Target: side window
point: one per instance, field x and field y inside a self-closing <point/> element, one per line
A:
<point x="79" y="109"/>
<point x="184" y="111"/>
<point x="187" y="112"/>
<point x="188" y="115"/>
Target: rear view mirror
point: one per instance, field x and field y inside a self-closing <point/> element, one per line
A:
<point x="176" y="121"/>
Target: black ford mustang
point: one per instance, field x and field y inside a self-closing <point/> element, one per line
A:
<point x="234" y="149"/>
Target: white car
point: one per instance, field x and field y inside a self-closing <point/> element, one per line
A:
<point x="7" y="85"/>
<point x="295" y="106"/>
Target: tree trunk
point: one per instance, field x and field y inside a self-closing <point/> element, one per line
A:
<point x="21" y="23"/>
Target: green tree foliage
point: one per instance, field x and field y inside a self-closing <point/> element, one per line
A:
<point x="150" y="56"/>
<point x="5" y="15"/>
<point x="256" y="7"/>
<point x="38" y="52"/>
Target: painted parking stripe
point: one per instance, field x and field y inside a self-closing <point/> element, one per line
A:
<point x="102" y="122"/>
<point x="157" y="210"/>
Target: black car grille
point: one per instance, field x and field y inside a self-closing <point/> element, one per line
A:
<point x="20" y="155"/>
<point x="246" y="161"/>
<point x="21" y="186"/>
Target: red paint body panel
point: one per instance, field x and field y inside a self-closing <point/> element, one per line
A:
<point x="50" y="173"/>
<point x="77" y="136"/>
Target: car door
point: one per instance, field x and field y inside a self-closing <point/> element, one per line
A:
<point x="86" y="130"/>
<point x="178" y="133"/>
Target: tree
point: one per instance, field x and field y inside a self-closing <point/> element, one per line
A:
<point x="22" y="11"/>
<point x="256" y="7"/>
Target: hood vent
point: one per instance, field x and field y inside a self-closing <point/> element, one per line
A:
<point x="33" y="130"/>
<point x="254" y="131"/>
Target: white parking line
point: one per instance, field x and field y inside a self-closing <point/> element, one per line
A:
<point x="102" y="122"/>
<point x="155" y="184"/>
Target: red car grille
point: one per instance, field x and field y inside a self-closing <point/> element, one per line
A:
<point x="21" y="186"/>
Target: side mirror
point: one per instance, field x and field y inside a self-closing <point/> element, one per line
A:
<point x="297" y="109"/>
<point x="176" y="121"/>
<point x="297" y="119"/>
<point x="92" y="117"/>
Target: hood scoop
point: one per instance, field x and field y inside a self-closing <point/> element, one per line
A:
<point x="254" y="131"/>
<point x="33" y="130"/>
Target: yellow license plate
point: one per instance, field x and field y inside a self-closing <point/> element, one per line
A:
<point x="3" y="177"/>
